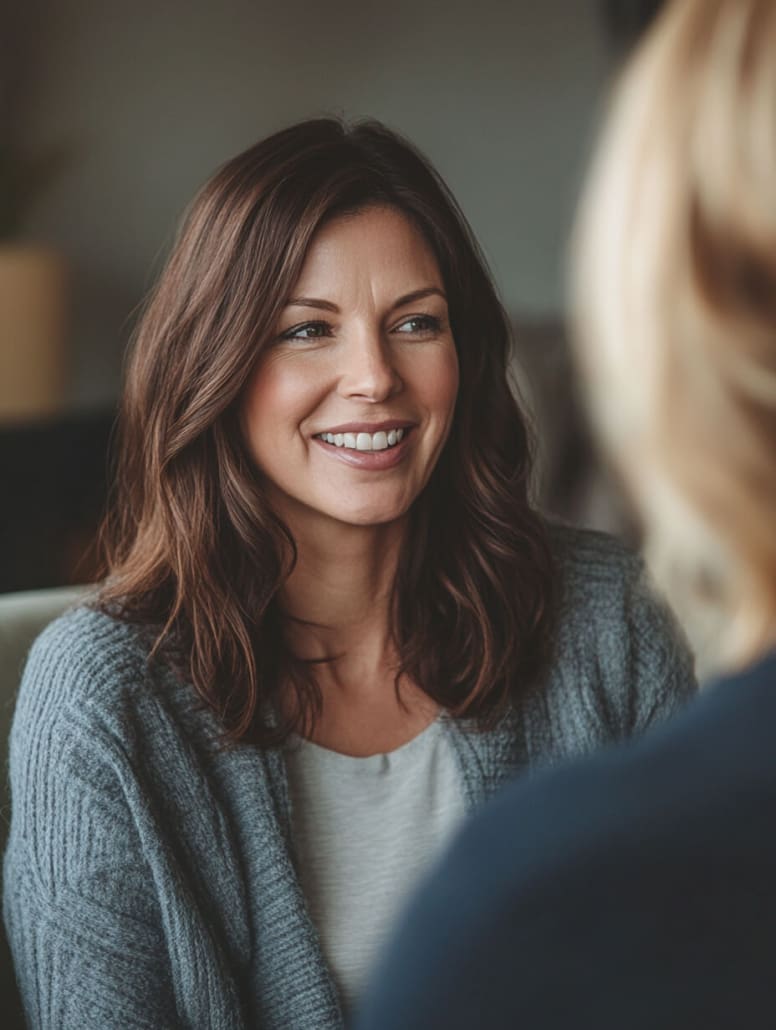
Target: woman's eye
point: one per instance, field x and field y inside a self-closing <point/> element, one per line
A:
<point x="419" y="325"/>
<point x="308" y="331"/>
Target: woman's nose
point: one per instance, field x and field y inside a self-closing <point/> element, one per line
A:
<point x="369" y="370"/>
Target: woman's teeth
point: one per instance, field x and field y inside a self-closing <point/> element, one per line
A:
<point x="364" y="441"/>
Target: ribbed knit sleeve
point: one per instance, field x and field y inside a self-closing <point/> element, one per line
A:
<point x="79" y="903"/>
<point x="147" y="880"/>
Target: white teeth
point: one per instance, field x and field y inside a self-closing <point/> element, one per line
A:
<point x="364" y="441"/>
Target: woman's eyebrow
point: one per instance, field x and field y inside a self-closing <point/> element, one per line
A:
<point x="409" y="298"/>
<point x="327" y="305"/>
<point x="311" y="302"/>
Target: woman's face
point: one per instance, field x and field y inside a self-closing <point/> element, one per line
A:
<point x="350" y="405"/>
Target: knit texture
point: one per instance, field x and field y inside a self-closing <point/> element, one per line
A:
<point x="149" y="879"/>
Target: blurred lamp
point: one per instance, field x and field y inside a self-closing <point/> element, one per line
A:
<point x="33" y="325"/>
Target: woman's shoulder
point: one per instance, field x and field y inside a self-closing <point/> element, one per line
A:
<point x="619" y="652"/>
<point x="92" y="643"/>
<point x="86" y="664"/>
<point x="602" y="580"/>
<point x="603" y="584"/>
<point x="588" y="559"/>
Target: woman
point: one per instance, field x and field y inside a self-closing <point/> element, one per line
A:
<point x="332" y="621"/>
<point x="636" y="889"/>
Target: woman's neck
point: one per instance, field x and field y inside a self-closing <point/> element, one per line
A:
<point x="339" y="595"/>
<point x="338" y="605"/>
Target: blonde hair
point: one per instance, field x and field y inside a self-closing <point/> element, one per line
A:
<point x="674" y="299"/>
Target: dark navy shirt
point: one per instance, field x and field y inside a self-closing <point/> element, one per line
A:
<point x="635" y="890"/>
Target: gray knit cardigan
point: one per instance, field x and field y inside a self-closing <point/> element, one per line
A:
<point x="149" y="879"/>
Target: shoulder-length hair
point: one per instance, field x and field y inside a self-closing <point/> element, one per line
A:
<point x="675" y="299"/>
<point x="194" y="551"/>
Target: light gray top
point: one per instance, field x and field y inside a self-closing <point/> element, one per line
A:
<point x="365" y="830"/>
<point x="148" y="877"/>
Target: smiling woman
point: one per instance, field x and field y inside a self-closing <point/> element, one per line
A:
<point x="332" y="621"/>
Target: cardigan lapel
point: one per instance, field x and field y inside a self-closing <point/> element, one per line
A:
<point x="290" y="982"/>
<point x="487" y="759"/>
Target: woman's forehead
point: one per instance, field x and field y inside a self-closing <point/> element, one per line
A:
<point x="379" y="243"/>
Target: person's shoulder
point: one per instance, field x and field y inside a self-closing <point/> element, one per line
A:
<point x="605" y="584"/>
<point x="593" y="564"/>
<point x="617" y="641"/>
<point x="84" y="663"/>
<point x="92" y="644"/>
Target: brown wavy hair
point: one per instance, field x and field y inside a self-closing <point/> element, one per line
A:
<point x="195" y="553"/>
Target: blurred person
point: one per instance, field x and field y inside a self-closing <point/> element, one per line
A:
<point x="636" y="889"/>
<point x="332" y="621"/>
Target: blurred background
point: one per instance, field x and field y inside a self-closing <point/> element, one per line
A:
<point x="112" y="114"/>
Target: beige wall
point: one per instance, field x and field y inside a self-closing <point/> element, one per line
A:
<point x="153" y="95"/>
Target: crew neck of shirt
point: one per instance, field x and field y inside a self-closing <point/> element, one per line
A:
<point x="399" y="756"/>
